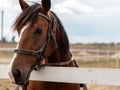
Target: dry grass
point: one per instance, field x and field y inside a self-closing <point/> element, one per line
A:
<point x="8" y="45"/>
<point x="6" y="54"/>
<point x="98" y="64"/>
<point x="102" y="87"/>
<point x="6" y="85"/>
<point x="5" y="57"/>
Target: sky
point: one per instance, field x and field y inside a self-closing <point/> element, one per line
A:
<point x="85" y="21"/>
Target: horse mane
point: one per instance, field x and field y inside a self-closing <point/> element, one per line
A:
<point x="64" y="43"/>
<point x="30" y="15"/>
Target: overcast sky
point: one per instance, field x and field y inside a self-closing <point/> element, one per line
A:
<point x="85" y="21"/>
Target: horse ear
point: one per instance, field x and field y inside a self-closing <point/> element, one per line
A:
<point x="46" y="5"/>
<point x="23" y="4"/>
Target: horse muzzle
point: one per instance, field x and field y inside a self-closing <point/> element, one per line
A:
<point x="18" y="77"/>
<point x="11" y="77"/>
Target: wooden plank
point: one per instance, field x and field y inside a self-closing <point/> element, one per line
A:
<point x="4" y="71"/>
<point x="73" y="75"/>
<point x="78" y="75"/>
<point x="6" y="49"/>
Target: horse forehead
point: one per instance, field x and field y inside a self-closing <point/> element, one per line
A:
<point x="23" y="29"/>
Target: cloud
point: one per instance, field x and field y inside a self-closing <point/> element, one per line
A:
<point x="108" y="10"/>
<point x="17" y="7"/>
<point x="84" y="20"/>
<point x="78" y="39"/>
<point x="72" y="6"/>
<point x="104" y="7"/>
<point x="5" y="4"/>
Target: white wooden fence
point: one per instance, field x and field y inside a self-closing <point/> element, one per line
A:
<point x="73" y="75"/>
<point x="95" y="54"/>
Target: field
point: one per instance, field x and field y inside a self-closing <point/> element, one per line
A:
<point x="6" y="56"/>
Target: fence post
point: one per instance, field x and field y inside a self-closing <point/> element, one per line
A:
<point x="84" y="56"/>
<point x="108" y="55"/>
<point x="97" y="55"/>
<point x="117" y="60"/>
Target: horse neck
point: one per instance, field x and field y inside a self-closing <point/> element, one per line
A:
<point x="59" y="56"/>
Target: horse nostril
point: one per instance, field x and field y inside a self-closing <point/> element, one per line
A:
<point x="17" y="73"/>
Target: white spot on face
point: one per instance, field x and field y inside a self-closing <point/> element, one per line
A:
<point x="22" y="30"/>
<point x="14" y="56"/>
<point x="10" y="69"/>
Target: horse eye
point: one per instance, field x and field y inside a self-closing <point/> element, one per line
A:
<point x="38" y="31"/>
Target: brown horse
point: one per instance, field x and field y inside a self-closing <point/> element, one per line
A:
<point x="43" y="41"/>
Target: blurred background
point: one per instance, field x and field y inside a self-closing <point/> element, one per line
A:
<point x="93" y="28"/>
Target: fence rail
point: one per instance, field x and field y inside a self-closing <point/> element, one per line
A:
<point x="73" y="75"/>
<point x="6" y="49"/>
<point x="97" y="55"/>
